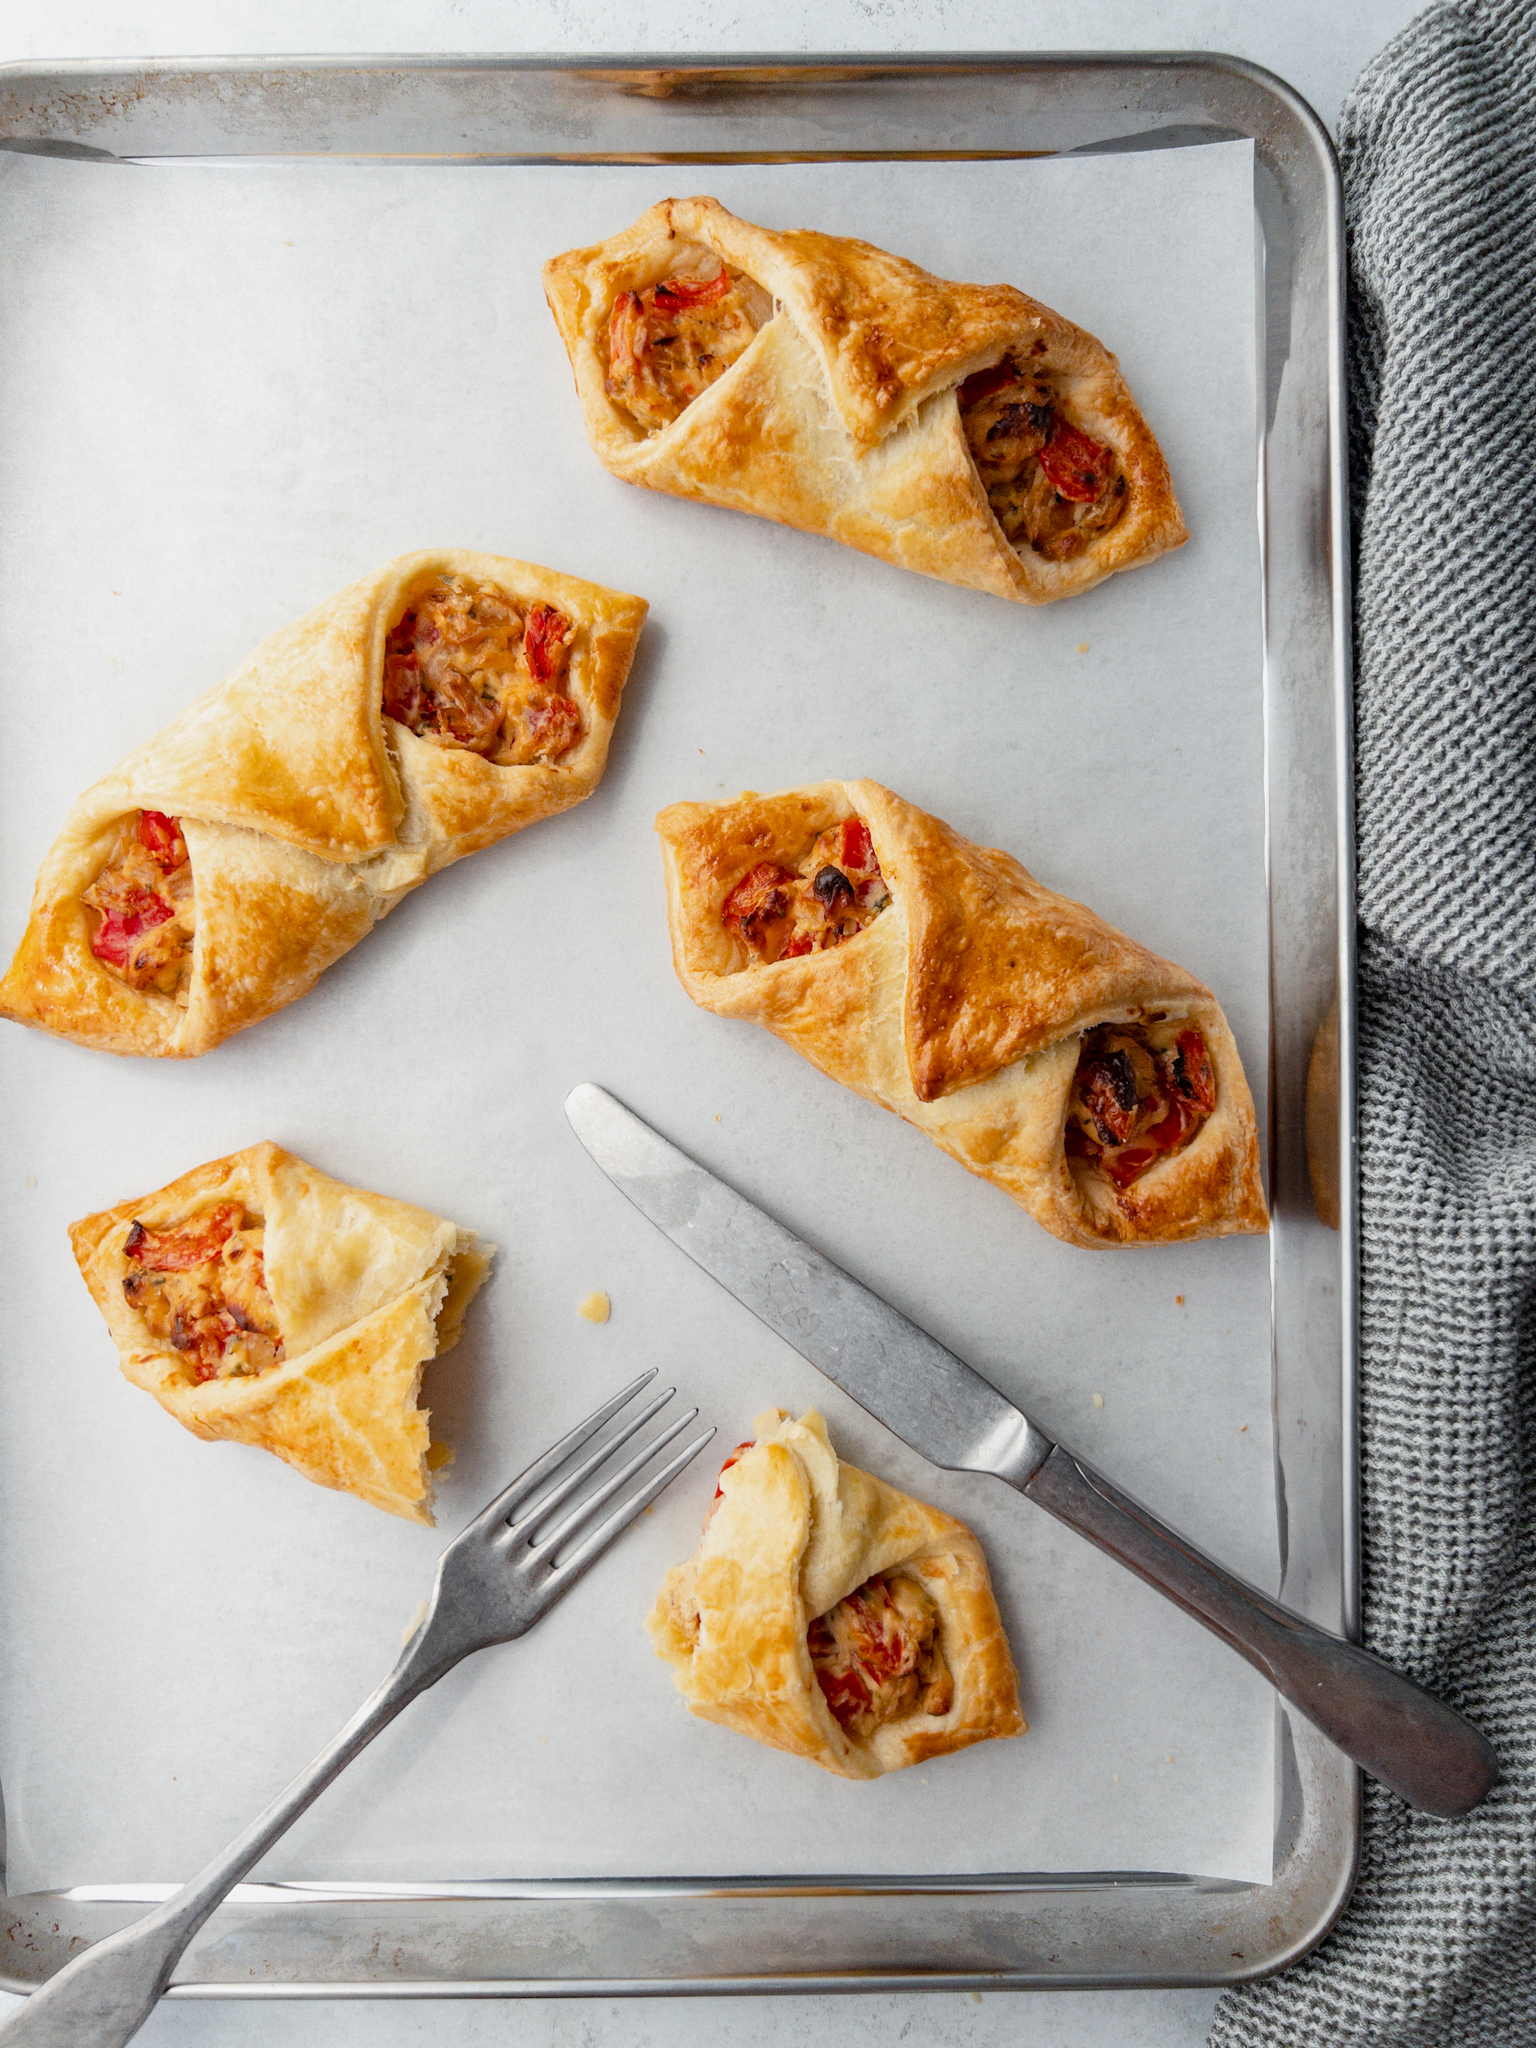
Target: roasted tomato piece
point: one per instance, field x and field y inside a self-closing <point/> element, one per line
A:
<point x="1107" y="1084"/>
<point x="555" y="725"/>
<point x="1080" y="469"/>
<point x="544" y="634"/>
<point x="193" y="1244"/>
<point x="759" y="901"/>
<point x="1192" y="1073"/>
<point x="626" y="335"/>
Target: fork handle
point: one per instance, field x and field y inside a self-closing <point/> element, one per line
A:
<point x="1424" y="1750"/>
<point x="103" y="1997"/>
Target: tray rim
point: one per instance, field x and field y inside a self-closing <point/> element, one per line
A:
<point x="48" y="1926"/>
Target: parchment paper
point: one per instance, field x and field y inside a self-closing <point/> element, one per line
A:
<point x="227" y="392"/>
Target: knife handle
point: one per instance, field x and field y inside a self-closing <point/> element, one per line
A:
<point x="1413" y="1743"/>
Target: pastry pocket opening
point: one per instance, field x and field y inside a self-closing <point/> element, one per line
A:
<point x="141" y="907"/>
<point x="467" y="666"/>
<point x="1141" y="1094"/>
<point x="833" y="892"/>
<point x="878" y="1656"/>
<point x="198" y="1289"/>
<point x="1052" y="486"/>
<point x="673" y="328"/>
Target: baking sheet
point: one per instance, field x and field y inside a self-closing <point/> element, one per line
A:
<point x="227" y="392"/>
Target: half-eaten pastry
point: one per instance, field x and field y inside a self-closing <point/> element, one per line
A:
<point x="826" y="1614"/>
<point x="1097" y="1084"/>
<point x="262" y="1301"/>
<point x="962" y="430"/>
<point x="438" y="705"/>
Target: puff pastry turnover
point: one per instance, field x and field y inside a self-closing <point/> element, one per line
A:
<point x="965" y="431"/>
<point x="436" y="706"/>
<point x="829" y="1615"/>
<point x="260" y="1300"/>
<point x="1096" y="1083"/>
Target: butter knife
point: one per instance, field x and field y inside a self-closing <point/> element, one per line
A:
<point x="1415" y="1744"/>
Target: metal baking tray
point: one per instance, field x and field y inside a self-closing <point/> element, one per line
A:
<point x="1089" y="1928"/>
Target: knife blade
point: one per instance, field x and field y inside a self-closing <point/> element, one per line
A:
<point x="932" y="1400"/>
<point x="949" y="1413"/>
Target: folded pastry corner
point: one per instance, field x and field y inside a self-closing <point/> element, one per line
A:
<point x="964" y="431"/>
<point x="1098" y="1084"/>
<point x="828" y="1615"/>
<point x="439" y="704"/>
<point x="259" y="1300"/>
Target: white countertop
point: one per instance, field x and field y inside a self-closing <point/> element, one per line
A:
<point x="1318" y="46"/>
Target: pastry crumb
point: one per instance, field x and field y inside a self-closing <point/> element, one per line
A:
<point x="596" y="1307"/>
<point x="1082" y="646"/>
<point x="415" y="1621"/>
<point x="439" y="1455"/>
<point x="1098" y="1400"/>
<point x="1244" y="1430"/>
<point x="31" y="1180"/>
<point x="1178" y="1301"/>
<point x="974" y="1997"/>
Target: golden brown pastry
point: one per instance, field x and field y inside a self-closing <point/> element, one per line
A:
<point x="1099" y="1085"/>
<point x="260" y="1300"/>
<point x="436" y="706"/>
<point x="961" y="430"/>
<point x="829" y="1615"/>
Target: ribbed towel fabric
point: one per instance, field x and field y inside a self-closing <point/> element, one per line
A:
<point x="1438" y="144"/>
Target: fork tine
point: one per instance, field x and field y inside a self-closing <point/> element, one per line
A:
<point x="606" y="1532"/>
<point x="547" y="1503"/>
<point x="512" y="1496"/>
<point x="585" y="1509"/>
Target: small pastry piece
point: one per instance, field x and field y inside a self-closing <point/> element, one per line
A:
<point x="961" y="430"/>
<point x="829" y="1615"/>
<point x="260" y="1300"/>
<point x="436" y="706"/>
<point x="1096" y="1083"/>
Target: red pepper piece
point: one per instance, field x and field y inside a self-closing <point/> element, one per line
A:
<point x="556" y="725"/>
<point x="1129" y="1165"/>
<point x="161" y="839"/>
<point x="178" y="1251"/>
<point x="544" y="633"/>
<point x="858" y="849"/>
<point x="1079" y="468"/>
<point x="676" y="294"/>
<point x="982" y="385"/>
<point x="137" y="910"/>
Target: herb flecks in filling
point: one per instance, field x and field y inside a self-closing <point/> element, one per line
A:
<point x="144" y="904"/>
<point x="1052" y="488"/>
<point x="1136" y="1099"/>
<point x="779" y="913"/>
<point x="671" y="341"/>
<point x="201" y="1288"/>
<point x="876" y="1656"/>
<point x="464" y="667"/>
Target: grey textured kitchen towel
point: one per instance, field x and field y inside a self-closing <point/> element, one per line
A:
<point x="1438" y="141"/>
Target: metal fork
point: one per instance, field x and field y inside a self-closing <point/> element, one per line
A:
<point x="493" y="1583"/>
